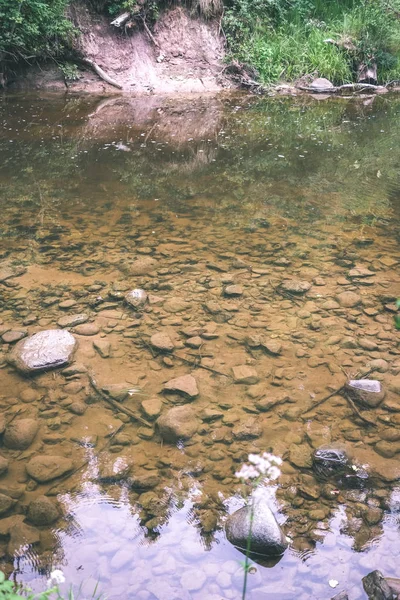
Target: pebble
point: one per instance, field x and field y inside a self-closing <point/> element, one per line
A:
<point x="87" y="329"/>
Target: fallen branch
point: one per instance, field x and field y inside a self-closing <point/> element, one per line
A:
<point x="347" y="87"/>
<point x="151" y="36"/>
<point x="116" y="405"/>
<point x="337" y="392"/>
<point x="355" y="409"/>
<point x="99" y="71"/>
<point x="195" y="363"/>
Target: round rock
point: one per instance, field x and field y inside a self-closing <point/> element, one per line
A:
<point x="348" y="299"/>
<point x="136" y="298"/>
<point x="42" y="511"/>
<point x="267" y="537"/>
<point x="20" y="434"/>
<point x="44" y="350"/>
<point x="177" y="423"/>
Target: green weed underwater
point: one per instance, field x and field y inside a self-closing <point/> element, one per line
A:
<point x="287" y="39"/>
<point x="9" y="591"/>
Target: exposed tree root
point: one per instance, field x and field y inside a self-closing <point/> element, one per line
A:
<point x="99" y="71"/>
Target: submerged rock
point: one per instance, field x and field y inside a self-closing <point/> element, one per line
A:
<point x="136" y="298"/>
<point x="44" y="350"/>
<point x="20" y="434"/>
<point x="3" y="465"/>
<point x="112" y="470"/>
<point x="267" y="537"/>
<point x="22" y="536"/>
<point x="245" y="374"/>
<point x="329" y="461"/>
<point x="367" y="392"/>
<point x="42" y="511"/>
<point x="162" y="341"/>
<point x="46" y="468"/>
<point x="377" y="588"/>
<point x="177" y="423"/>
<point x="185" y="385"/>
<point x="5" y="503"/>
<point x="295" y="286"/>
<point x="348" y="299"/>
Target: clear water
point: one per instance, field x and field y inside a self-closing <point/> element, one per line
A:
<point x="217" y="191"/>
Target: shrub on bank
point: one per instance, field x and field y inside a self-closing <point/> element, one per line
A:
<point x="285" y="40"/>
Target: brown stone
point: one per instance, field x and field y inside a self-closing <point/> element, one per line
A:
<point x="245" y="374"/>
<point x="185" y="385"/>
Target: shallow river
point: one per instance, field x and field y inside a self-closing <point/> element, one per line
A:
<point x="266" y="235"/>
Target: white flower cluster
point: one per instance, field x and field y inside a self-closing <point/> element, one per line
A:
<point x="56" y="578"/>
<point x="265" y="464"/>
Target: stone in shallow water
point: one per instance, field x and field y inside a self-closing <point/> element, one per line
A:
<point x="72" y="320"/>
<point x="42" y="511"/>
<point x="162" y="341"/>
<point x="136" y="298"/>
<point x="185" y="385"/>
<point x="8" y="270"/>
<point x="44" y="350"/>
<point x="267" y="537"/>
<point x="177" y="423"/>
<point x="46" y="468"/>
<point x="87" y="329"/>
<point x="348" y="299"/>
<point x="295" y="286"/>
<point x="245" y="374"/>
<point x="14" y="335"/>
<point x="20" y="434"/>
<point x="376" y="587"/>
<point x="22" y="535"/>
<point x="5" y="503"/>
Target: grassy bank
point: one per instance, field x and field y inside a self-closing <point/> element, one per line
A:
<point x="286" y="40"/>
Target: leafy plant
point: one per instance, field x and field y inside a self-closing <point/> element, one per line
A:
<point x="33" y="29"/>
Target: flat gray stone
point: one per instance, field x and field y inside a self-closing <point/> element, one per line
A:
<point x="44" y="350"/>
<point x="72" y="320"/>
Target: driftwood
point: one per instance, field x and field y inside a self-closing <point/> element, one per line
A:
<point x="347" y="87"/>
<point x="121" y="19"/>
<point x="99" y="71"/>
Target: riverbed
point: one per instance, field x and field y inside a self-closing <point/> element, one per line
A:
<point x="265" y="233"/>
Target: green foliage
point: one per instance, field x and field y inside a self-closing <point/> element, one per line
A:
<point x="69" y="70"/>
<point x="8" y="591"/>
<point x="285" y="39"/>
<point x="33" y="29"/>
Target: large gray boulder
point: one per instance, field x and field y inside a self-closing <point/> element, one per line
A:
<point x="44" y="350"/>
<point x="267" y="537"/>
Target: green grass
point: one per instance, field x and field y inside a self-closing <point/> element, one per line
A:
<point x="286" y="41"/>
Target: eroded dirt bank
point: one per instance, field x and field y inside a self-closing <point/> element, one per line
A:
<point x="186" y="56"/>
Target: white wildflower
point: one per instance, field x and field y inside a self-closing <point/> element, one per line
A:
<point x="247" y="472"/>
<point x="56" y="578"/>
<point x="261" y="464"/>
